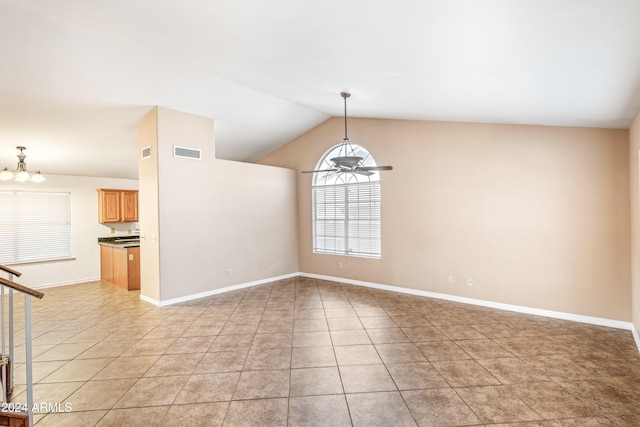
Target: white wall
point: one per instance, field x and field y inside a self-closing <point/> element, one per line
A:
<point x="242" y="229"/>
<point x="85" y="230"/>
<point x="203" y="218"/>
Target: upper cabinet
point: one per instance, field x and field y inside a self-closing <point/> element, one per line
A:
<point x="108" y="206"/>
<point x="117" y="205"/>
<point x="129" y="201"/>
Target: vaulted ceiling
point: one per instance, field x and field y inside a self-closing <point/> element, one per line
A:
<point x="78" y="76"/>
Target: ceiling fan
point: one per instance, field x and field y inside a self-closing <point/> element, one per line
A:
<point x="348" y="161"/>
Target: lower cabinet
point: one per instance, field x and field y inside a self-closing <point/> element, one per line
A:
<point x="120" y="266"/>
<point x="106" y="263"/>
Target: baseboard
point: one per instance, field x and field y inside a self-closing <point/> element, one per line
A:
<point x="74" y="282"/>
<point x="163" y="303"/>
<point x="490" y="304"/>
<point x="636" y="337"/>
<point x="617" y="324"/>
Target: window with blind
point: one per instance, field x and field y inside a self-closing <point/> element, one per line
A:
<point x="346" y="210"/>
<point x="34" y="226"/>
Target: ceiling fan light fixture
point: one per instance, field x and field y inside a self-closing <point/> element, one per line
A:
<point x="347" y="161"/>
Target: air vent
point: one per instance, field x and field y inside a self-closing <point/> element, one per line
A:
<point x="186" y="153"/>
<point x="146" y="152"/>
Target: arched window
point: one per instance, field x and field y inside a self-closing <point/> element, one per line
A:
<point x="346" y="208"/>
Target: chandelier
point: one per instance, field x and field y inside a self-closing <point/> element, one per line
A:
<point x="21" y="174"/>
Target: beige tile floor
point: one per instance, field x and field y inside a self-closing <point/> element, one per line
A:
<point x="308" y="352"/>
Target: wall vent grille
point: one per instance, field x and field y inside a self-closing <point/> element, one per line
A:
<point x="186" y="153"/>
<point x="146" y="152"/>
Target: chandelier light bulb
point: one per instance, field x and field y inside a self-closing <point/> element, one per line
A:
<point x="22" y="176"/>
<point x="6" y="175"/>
<point x="37" y="177"/>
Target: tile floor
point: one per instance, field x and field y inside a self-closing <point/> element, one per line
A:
<point x="308" y="352"/>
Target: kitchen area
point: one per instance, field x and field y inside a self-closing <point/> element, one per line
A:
<point x="119" y="254"/>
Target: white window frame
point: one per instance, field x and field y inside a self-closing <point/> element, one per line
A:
<point x="346" y="211"/>
<point x="35" y="226"/>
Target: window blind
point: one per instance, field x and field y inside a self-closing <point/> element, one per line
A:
<point x="347" y="219"/>
<point x="34" y="226"/>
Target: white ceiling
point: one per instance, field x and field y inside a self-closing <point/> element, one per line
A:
<point x="78" y="76"/>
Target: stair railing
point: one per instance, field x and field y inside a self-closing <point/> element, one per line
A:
<point x="6" y="360"/>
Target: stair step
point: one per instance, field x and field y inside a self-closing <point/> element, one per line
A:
<point x="14" y="419"/>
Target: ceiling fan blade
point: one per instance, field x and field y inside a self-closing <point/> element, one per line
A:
<point x="322" y="170"/>
<point x="359" y="171"/>
<point x="375" y="168"/>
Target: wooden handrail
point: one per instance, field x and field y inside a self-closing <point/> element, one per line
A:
<point x="20" y="288"/>
<point x="10" y="271"/>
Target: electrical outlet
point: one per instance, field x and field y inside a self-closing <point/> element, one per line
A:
<point x="470" y="281"/>
<point x="229" y="272"/>
<point x="450" y="279"/>
<point x="340" y="265"/>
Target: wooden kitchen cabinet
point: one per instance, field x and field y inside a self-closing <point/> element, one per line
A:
<point x="117" y="206"/>
<point x="129" y="200"/>
<point x="106" y="263"/>
<point x="108" y="206"/>
<point x="120" y="266"/>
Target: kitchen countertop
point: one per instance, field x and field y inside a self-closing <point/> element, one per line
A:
<point x="120" y="241"/>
